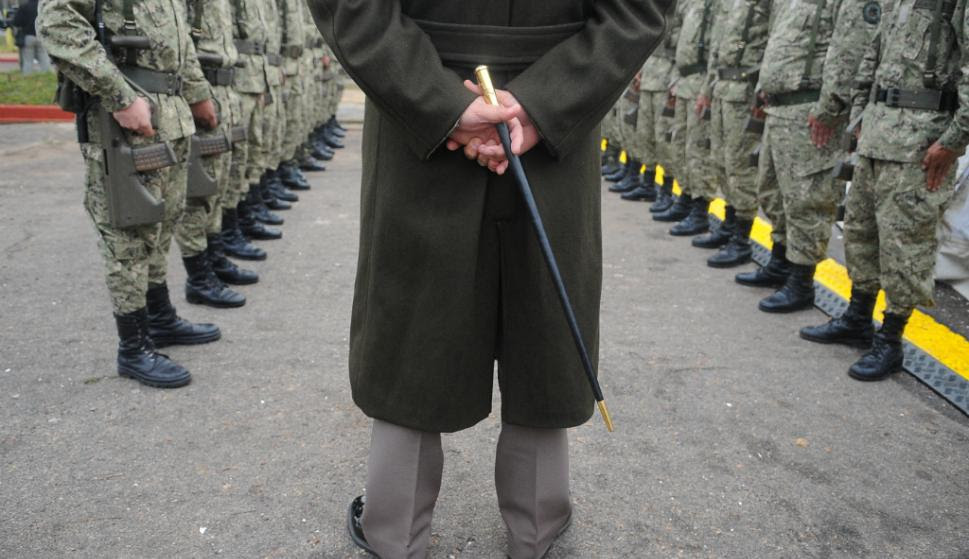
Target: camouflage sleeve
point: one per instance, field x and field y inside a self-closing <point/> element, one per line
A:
<point x="65" y="29"/>
<point x="852" y="33"/>
<point x="956" y="136"/>
<point x="865" y="79"/>
<point x="195" y="87"/>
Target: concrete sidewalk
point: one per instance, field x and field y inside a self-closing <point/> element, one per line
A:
<point x="734" y="437"/>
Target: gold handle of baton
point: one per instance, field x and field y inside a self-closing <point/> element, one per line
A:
<point x="484" y="82"/>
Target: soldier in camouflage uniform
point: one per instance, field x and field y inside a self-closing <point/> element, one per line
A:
<point x="610" y="156"/>
<point x="293" y="44"/>
<point x="697" y="174"/>
<point x="812" y="54"/>
<point x="627" y="122"/>
<point x="912" y="89"/>
<point x="740" y="39"/>
<point x="197" y="234"/>
<point x="167" y="80"/>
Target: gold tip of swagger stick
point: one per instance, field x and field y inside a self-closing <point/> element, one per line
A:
<point x="604" y="411"/>
<point x="484" y="82"/>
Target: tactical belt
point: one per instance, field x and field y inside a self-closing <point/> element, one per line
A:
<point x="250" y="47"/>
<point x="793" y="97"/>
<point x="153" y="81"/>
<point x="738" y="74"/>
<point x="691" y="69"/>
<point x="925" y="99"/>
<point x="274" y="59"/>
<point x="501" y="48"/>
<point x="219" y="76"/>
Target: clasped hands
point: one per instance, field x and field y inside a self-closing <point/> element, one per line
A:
<point x="477" y="136"/>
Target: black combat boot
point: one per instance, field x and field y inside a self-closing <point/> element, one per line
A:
<point x="646" y="191"/>
<point x="331" y="139"/>
<point x="291" y="176"/>
<point x="336" y="124"/>
<point x="853" y="328"/>
<point x="335" y="128"/>
<point x="311" y="164"/>
<point x="252" y="228"/>
<point x="137" y="357"/>
<point x="677" y="211"/>
<point x="257" y="207"/>
<point x="610" y="160"/>
<point x="269" y="198"/>
<point x="620" y="174"/>
<point x="632" y="180"/>
<point x="886" y="355"/>
<point x="321" y="151"/>
<point x="697" y="222"/>
<point x="737" y="251"/>
<point x="774" y="274"/>
<point x="276" y="187"/>
<point x="796" y="294"/>
<point x="165" y="326"/>
<point x="234" y="243"/>
<point x="664" y="198"/>
<point x="225" y="269"/>
<point x="722" y="234"/>
<point x="203" y="287"/>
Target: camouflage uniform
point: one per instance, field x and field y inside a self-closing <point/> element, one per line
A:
<point x="809" y="63"/>
<point x="695" y="171"/>
<point x="654" y="88"/>
<point x="293" y="44"/>
<point x="739" y="47"/>
<point x="891" y="221"/>
<point x="212" y="22"/>
<point x="249" y="33"/>
<point x="274" y="116"/>
<point x="134" y="256"/>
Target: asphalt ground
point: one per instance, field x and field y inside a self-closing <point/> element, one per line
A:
<point x="734" y="437"/>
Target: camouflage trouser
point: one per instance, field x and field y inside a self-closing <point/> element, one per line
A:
<point x="649" y="137"/>
<point x="609" y="126"/>
<point x="731" y="145"/>
<point x="273" y="128"/>
<point x="891" y="225"/>
<point x="246" y="167"/>
<point x="135" y="256"/>
<point x="626" y="131"/>
<point x="809" y="195"/>
<point x="334" y="95"/>
<point x="294" y="117"/>
<point x="703" y="173"/>
<point x="204" y="215"/>
<point x="677" y="144"/>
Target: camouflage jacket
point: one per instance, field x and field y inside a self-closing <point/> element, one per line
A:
<point x="293" y="34"/>
<point x="740" y="40"/>
<point x="212" y="29"/>
<point x="657" y="72"/>
<point x="790" y="65"/>
<point x="66" y="28"/>
<point x="898" y="57"/>
<point x="693" y="46"/>
<point x="249" y="17"/>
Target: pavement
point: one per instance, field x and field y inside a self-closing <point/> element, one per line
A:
<point x="734" y="437"/>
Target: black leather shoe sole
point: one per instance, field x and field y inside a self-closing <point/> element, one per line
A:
<point x="354" y="527"/>
<point x="859" y="342"/>
<point x="165" y="340"/>
<point x="155" y="383"/>
<point x="785" y="308"/>
<point x="715" y="262"/>
<point x="763" y="281"/>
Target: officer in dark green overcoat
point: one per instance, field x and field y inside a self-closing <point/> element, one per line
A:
<point x="450" y="278"/>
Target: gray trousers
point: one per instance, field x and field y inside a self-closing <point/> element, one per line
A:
<point x="404" y="478"/>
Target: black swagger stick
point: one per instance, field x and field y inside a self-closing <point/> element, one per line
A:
<point x="488" y="91"/>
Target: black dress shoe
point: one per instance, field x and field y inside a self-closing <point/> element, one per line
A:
<point x="886" y="356"/>
<point x="355" y="527"/>
<point x="137" y="358"/>
<point x="166" y="328"/>
<point x="853" y="328"/>
<point x="773" y="275"/>
<point x="796" y="294"/>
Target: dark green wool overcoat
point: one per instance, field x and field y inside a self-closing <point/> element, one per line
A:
<point x="450" y="278"/>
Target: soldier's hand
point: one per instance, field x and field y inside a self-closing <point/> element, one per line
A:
<point x="937" y="163"/>
<point x="702" y="103"/>
<point x="326" y="61"/>
<point x="136" y="117"/>
<point x="204" y="114"/>
<point x="637" y="81"/>
<point x="821" y="133"/>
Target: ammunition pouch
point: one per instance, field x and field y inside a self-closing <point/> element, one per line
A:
<point x="692" y="69"/>
<point x="924" y="99"/>
<point x="250" y="47"/>
<point x="219" y="76"/>
<point x="274" y="59"/>
<point x="753" y="158"/>
<point x="238" y="134"/>
<point x="738" y="74"/>
<point x="152" y="81"/>
<point x="755" y="126"/>
<point x="292" y="51"/>
<point x="200" y="183"/>
<point x="789" y="98"/>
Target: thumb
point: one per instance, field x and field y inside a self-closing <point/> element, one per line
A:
<point x="472" y="87"/>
